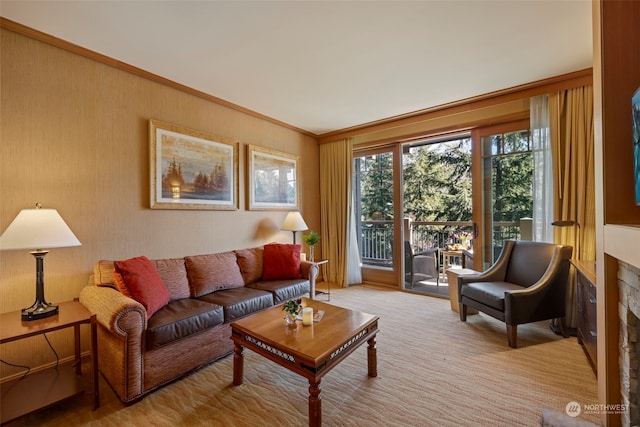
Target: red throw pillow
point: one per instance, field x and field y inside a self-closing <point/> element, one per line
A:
<point x="281" y="262"/>
<point x="141" y="281"/>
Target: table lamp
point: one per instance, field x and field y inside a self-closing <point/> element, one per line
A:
<point x="38" y="229"/>
<point x="293" y="222"/>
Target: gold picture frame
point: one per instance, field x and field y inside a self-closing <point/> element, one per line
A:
<point x="273" y="179"/>
<point x="191" y="169"/>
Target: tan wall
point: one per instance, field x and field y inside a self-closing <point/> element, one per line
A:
<point x="75" y="138"/>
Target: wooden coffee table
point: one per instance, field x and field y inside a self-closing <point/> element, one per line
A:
<point x="310" y="351"/>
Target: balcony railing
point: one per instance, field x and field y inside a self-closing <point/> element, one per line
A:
<point x="376" y="243"/>
<point x="376" y="240"/>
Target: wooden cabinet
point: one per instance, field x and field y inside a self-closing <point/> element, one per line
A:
<point x="587" y="301"/>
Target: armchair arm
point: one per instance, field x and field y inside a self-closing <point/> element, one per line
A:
<point x="495" y="273"/>
<point x="429" y="251"/>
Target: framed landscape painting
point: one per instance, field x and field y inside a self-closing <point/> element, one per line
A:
<point x="635" y="129"/>
<point x="191" y="169"/>
<point x="272" y="179"/>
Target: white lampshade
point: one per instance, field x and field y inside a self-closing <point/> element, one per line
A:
<point x="38" y="229"/>
<point x="294" y="222"/>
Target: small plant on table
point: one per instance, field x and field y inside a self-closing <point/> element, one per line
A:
<point x="311" y="240"/>
<point x="292" y="308"/>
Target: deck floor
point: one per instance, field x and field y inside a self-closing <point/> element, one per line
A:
<point x="430" y="287"/>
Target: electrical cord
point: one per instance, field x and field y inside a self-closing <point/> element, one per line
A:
<point x="28" y="368"/>
<point x="52" y="349"/>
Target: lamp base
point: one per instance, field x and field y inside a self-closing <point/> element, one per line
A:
<point x="39" y="310"/>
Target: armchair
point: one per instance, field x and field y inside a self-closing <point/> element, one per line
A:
<point x="527" y="283"/>
<point x="420" y="266"/>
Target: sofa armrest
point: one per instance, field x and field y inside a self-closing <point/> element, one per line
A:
<point x="122" y="323"/>
<point x="111" y="308"/>
<point x="309" y="271"/>
<point x="306" y="269"/>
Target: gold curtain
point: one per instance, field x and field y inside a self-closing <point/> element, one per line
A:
<point x="571" y="122"/>
<point x="571" y="125"/>
<point x="336" y="169"/>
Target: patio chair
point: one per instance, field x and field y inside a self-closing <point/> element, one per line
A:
<point x="420" y="266"/>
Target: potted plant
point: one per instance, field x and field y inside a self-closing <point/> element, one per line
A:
<point x="311" y="239"/>
<point x="292" y="308"/>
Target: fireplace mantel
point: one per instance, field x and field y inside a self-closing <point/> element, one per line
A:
<point x="623" y="243"/>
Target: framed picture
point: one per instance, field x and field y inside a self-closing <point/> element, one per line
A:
<point x="191" y="169"/>
<point x="635" y="130"/>
<point x="272" y="179"/>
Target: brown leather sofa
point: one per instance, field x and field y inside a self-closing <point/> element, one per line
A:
<point x="137" y="354"/>
<point x="527" y="283"/>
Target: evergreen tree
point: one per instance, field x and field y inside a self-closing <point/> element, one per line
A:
<point x="437" y="182"/>
<point x="377" y="191"/>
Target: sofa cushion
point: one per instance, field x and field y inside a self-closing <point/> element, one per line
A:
<point x="209" y="273"/>
<point x="281" y="261"/>
<point x="180" y="319"/>
<point x="103" y="274"/>
<point x="239" y="302"/>
<point x="141" y="281"/>
<point x="174" y="275"/>
<point x="250" y="262"/>
<point x="490" y="293"/>
<point x="283" y="290"/>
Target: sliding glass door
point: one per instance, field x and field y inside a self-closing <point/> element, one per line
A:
<point x="471" y="188"/>
<point x="503" y="184"/>
<point x="375" y="189"/>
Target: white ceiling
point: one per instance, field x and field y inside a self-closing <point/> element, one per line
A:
<point x="328" y="65"/>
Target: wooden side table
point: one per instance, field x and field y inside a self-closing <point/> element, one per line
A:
<point x="452" y="282"/>
<point x="47" y="387"/>
<point x="446" y="259"/>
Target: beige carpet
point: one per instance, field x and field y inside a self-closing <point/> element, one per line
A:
<point x="433" y="370"/>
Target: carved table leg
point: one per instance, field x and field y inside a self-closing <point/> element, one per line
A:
<point x="238" y="364"/>
<point x="372" y="357"/>
<point x="315" y="404"/>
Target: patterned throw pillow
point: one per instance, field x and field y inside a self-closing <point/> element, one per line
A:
<point x="250" y="262"/>
<point x="210" y="273"/>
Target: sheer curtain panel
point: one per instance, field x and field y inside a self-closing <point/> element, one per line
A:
<point x="542" y="170"/>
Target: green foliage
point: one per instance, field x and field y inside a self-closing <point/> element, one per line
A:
<point x="312" y="238"/>
<point x="438" y="187"/>
<point x="512" y="176"/>
<point x="376" y="191"/>
<point x="437" y="182"/>
<point x="512" y="193"/>
<point x="292" y="307"/>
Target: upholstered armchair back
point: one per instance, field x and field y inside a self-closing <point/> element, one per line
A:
<point x="528" y="262"/>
